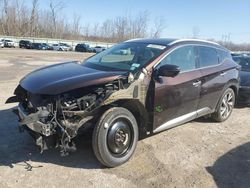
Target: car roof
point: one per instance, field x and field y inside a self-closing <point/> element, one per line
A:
<point x="171" y="41"/>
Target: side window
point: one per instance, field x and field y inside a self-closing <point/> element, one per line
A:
<point x="184" y="57"/>
<point x="223" y="55"/>
<point x="208" y="56"/>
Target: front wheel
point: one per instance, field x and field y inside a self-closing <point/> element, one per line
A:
<point x="115" y="137"/>
<point x="225" y="106"/>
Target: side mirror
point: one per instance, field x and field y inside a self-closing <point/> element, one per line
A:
<point x="168" y="70"/>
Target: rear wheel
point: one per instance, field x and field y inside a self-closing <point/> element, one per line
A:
<point x="225" y="106"/>
<point x="115" y="137"/>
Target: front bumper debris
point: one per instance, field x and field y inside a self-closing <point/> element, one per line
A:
<point x="32" y="121"/>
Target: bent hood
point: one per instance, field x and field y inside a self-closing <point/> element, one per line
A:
<point x="64" y="77"/>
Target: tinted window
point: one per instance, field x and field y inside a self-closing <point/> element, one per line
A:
<point x="183" y="57"/>
<point x="223" y="55"/>
<point x="208" y="56"/>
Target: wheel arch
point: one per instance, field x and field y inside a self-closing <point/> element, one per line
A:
<point x="137" y="109"/>
<point x="140" y="113"/>
<point x="234" y="85"/>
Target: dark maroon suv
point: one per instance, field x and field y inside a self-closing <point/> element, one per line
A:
<point x="133" y="90"/>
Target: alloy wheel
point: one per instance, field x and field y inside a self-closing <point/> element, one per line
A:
<point x="227" y="105"/>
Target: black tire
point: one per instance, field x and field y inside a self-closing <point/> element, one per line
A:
<point x="115" y="137"/>
<point x="225" y="106"/>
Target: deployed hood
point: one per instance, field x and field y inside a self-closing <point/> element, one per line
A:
<point x="244" y="78"/>
<point x="64" y="77"/>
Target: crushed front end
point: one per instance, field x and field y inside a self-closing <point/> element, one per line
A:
<point x="54" y="121"/>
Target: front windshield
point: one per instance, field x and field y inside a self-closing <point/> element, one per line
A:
<point x="244" y="62"/>
<point x="130" y="56"/>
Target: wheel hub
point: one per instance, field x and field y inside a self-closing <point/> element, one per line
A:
<point x="119" y="137"/>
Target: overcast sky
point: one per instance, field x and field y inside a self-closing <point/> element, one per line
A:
<point x="209" y="18"/>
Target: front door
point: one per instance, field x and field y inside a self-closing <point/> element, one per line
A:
<point x="176" y="99"/>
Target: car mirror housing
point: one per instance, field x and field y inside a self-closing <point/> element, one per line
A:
<point x="168" y="70"/>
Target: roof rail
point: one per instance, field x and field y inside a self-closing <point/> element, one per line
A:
<point x="193" y="40"/>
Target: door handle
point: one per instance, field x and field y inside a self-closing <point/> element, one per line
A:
<point x="196" y="83"/>
<point x="223" y="73"/>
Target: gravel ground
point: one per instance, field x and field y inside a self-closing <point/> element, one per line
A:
<point x="198" y="154"/>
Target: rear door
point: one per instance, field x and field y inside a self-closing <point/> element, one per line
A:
<point x="213" y="78"/>
<point x="176" y="99"/>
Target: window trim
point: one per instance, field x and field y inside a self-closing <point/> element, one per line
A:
<point x="197" y="56"/>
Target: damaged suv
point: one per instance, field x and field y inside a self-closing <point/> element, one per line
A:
<point x="133" y="90"/>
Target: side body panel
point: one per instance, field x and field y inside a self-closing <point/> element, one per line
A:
<point x="214" y="81"/>
<point x="175" y="97"/>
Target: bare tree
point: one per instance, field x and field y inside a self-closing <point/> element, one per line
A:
<point x="86" y="31"/>
<point x="55" y="8"/>
<point x="95" y="31"/>
<point x="6" y="28"/>
<point x="107" y="30"/>
<point x="139" y="25"/>
<point x="76" y="28"/>
<point x="33" y="17"/>
<point x="159" y="26"/>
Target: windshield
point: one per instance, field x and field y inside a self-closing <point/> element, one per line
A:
<point x="130" y="56"/>
<point x="244" y="62"/>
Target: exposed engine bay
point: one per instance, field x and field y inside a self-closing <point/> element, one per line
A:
<point x="55" y="120"/>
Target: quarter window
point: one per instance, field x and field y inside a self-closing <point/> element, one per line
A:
<point x="223" y="55"/>
<point x="208" y="56"/>
<point x="183" y="57"/>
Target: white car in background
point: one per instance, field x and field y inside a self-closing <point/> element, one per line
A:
<point x="1" y="44"/>
<point x="61" y="47"/>
<point x="98" y="49"/>
<point x="8" y="43"/>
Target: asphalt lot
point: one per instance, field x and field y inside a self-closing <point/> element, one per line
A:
<point x="198" y="154"/>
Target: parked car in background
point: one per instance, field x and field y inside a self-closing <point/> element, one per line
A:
<point x="244" y="91"/>
<point x="66" y="46"/>
<point x="25" y="44"/>
<point x="83" y="48"/>
<point x="61" y="47"/>
<point x="8" y="43"/>
<point x="38" y="46"/>
<point x="47" y="46"/>
<point x="1" y="44"/>
<point x="98" y="49"/>
<point x="56" y="47"/>
<point x="245" y="53"/>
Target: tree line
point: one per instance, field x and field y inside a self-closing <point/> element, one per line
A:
<point x="22" y="19"/>
<point x="28" y="20"/>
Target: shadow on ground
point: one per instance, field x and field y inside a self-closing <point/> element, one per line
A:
<point x="233" y="168"/>
<point x="16" y="147"/>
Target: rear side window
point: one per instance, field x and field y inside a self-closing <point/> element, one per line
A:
<point x="208" y="56"/>
<point x="223" y="55"/>
<point x="184" y="57"/>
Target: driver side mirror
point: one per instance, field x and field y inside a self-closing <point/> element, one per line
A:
<point x="168" y="70"/>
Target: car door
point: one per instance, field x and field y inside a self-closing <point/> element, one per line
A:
<point x="176" y="99"/>
<point x="213" y="79"/>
